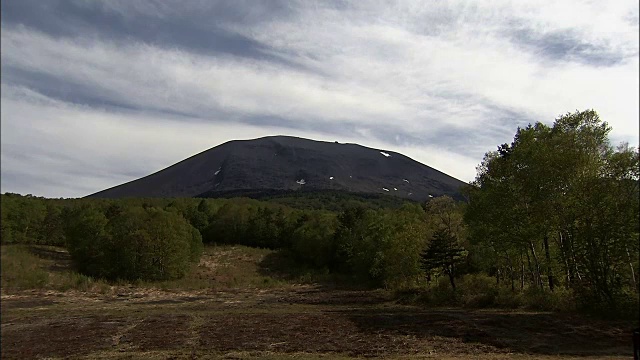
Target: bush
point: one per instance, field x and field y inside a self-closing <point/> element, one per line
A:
<point x="560" y="299"/>
<point x="473" y="291"/>
<point x="509" y="299"/>
<point x="478" y="291"/>
<point x="441" y="294"/>
<point x="624" y="304"/>
<point x="136" y="244"/>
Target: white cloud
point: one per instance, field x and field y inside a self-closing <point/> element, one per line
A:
<point x="451" y="75"/>
<point x="460" y="76"/>
<point x="150" y="77"/>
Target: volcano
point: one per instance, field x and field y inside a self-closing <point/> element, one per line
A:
<point x="288" y="164"/>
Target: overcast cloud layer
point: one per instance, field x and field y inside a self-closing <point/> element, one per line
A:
<point x="97" y="93"/>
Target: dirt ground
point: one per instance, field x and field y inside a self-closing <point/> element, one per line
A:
<point x="293" y="322"/>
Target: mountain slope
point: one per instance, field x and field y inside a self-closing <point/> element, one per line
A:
<point x="290" y="163"/>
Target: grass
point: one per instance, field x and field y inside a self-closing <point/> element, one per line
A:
<point x="224" y="267"/>
<point x="28" y="267"/>
<point x="21" y="269"/>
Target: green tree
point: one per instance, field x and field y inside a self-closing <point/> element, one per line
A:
<point x="565" y="193"/>
<point x="313" y="240"/>
<point x="138" y="243"/>
<point x="443" y="253"/>
<point x="444" y="250"/>
<point x="381" y="246"/>
<point x="85" y="233"/>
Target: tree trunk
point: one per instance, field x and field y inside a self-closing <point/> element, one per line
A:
<point x="548" y="257"/>
<point x="565" y="260"/>
<point x="574" y="261"/>
<point x="522" y="275"/>
<point x="538" y="279"/>
<point x="633" y="273"/>
<point x="530" y="267"/>
<point x="452" y="280"/>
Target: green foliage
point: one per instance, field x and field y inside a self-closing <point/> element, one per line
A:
<point x="196" y="247"/>
<point x="313" y="241"/>
<point x="85" y="233"/>
<point x="22" y="219"/>
<point x="479" y="291"/>
<point x="137" y="243"/>
<point x="381" y="246"/>
<point x="444" y="254"/>
<point x="335" y="201"/>
<point x="444" y="251"/>
<point x="558" y="209"/>
<point x="252" y="223"/>
<point x="402" y="267"/>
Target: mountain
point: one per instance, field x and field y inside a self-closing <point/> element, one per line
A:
<point x="284" y="163"/>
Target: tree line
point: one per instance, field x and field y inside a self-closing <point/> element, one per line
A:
<point x="127" y="238"/>
<point x="558" y="208"/>
<point x="554" y="211"/>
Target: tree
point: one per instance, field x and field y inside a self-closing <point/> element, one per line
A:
<point x="443" y="253"/>
<point x="564" y="192"/>
<point x="382" y="247"/>
<point x="51" y="230"/>
<point x="444" y="249"/>
<point x="85" y="233"/>
<point x="144" y="243"/>
<point x="313" y="240"/>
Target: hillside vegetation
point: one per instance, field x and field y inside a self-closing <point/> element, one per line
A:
<point x="551" y="222"/>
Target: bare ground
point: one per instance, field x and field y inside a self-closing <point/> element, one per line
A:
<point x="299" y="321"/>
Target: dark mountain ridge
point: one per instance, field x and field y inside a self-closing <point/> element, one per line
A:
<point x="285" y="163"/>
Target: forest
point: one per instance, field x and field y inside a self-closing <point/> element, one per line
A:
<point x="551" y="222"/>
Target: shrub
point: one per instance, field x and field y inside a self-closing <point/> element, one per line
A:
<point x="478" y="291"/>
<point x="507" y="298"/>
<point x="441" y="294"/>
<point x="560" y="299"/>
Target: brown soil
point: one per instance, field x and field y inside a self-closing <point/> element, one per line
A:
<point x="300" y="321"/>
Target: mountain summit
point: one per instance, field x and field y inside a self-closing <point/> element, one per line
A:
<point x="284" y="163"/>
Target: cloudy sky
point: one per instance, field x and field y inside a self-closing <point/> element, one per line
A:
<point x="97" y="93"/>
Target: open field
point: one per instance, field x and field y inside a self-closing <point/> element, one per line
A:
<point x="232" y="308"/>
